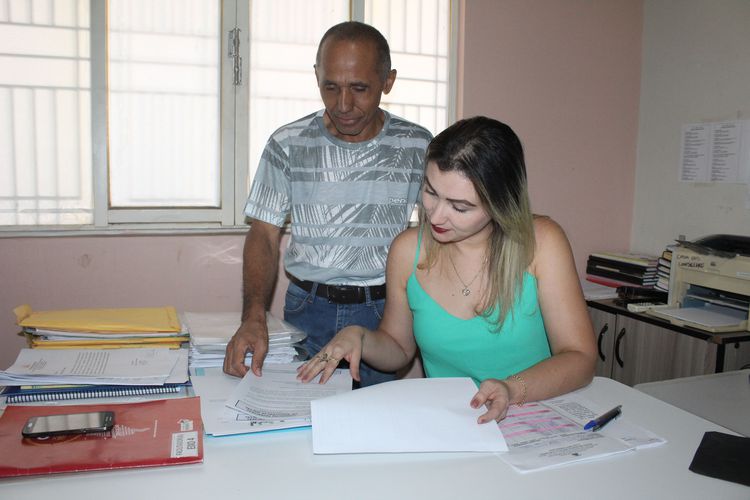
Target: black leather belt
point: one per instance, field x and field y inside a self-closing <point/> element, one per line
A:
<point x="341" y="294"/>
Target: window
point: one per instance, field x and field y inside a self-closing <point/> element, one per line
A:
<point x="153" y="113"/>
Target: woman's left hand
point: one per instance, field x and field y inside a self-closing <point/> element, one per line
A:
<point x="495" y="395"/>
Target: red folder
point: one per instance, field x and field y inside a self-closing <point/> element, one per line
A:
<point x="148" y="434"/>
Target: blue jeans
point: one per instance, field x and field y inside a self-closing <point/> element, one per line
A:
<point x="321" y="320"/>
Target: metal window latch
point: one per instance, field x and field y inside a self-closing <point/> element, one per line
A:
<point x="233" y="44"/>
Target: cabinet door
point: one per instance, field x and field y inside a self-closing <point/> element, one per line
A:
<point x="737" y="356"/>
<point x="646" y="353"/>
<point x="604" y="328"/>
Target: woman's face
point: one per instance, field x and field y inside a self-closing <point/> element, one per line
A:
<point x="452" y="206"/>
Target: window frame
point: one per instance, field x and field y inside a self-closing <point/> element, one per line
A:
<point x="234" y="148"/>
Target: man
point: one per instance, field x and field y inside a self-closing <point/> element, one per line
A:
<point x="348" y="177"/>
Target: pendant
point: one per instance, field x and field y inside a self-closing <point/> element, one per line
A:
<point x="466" y="292"/>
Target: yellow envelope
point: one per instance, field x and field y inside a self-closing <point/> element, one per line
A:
<point x="136" y="319"/>
<point x="49" y="345"/>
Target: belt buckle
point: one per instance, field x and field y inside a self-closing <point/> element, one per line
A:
<point x="343" y="294"/>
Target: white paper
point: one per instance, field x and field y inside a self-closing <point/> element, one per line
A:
<point x="211" y="332"/>
<point x="595" y="291"/>
<point x="709" y="315"/>
<point x="695" y="152"/>
<point x="550" y="433"/>
<point x="725" y="149"/>
<point x="179" y="373"/>
<point x="200" y="358"/>
<point x="218" y="328"/>
<point x="91" y="366"/>
<point x="214" y="388"/>
<point x="409" y="415"/>
<point x="716" y="152"/>
<point x="278" y="395"/>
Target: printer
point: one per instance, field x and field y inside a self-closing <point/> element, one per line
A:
<point x="709" y="284"/>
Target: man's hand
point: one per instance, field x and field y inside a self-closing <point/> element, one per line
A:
<point x="251" y="336"/>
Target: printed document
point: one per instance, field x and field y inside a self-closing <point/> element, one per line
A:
<point x="214" y="388"/>
<point x="550" y="433"/>
<point x="278" y="395"/>
<point x="92" y="366"/>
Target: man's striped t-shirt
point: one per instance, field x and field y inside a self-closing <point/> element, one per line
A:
<point x="345" y="201"/>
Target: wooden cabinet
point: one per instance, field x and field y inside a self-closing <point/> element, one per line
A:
<point x="634" y="350"/>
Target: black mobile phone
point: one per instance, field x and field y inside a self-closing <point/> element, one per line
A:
<point x="70" y="423"/>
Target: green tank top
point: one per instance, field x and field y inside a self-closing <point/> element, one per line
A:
<point x="455" y="347"/>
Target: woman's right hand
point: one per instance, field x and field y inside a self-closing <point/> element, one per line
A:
<point x="347" y="344"/>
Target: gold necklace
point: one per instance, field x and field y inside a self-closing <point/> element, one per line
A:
<point x="465" y="291"/>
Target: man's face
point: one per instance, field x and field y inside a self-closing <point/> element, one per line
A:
<point x="351" y="85"/>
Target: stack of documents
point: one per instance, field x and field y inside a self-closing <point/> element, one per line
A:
<point x="277" y="400"/>
<point x="552" y="433"/>
<point x="101" y="328"/>
<point x="211" y="332"/>
<point x="121" y="367"/>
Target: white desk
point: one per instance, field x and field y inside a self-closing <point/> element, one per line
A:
<point x="281" y="465"/>
<point x="722" y="398"/>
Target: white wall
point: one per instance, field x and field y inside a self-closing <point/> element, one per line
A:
<point x="696" y="68"/>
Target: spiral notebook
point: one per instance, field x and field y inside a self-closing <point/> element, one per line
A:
<point x="37" y="393"/>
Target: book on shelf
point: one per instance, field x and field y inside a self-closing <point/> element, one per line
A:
<point x="67" y="392"/>
<point x="662" y="284"/>
<point x="620" y="266"/>
<point x="147" y="434"/>
<point x="595" y="268"/>
<point x="627" y="278"/>
<point x="614" y="283"/>
<point x="628" y="258"/>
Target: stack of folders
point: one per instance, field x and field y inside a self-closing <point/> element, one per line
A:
<point x="622" y="269"/>
<point x="86" y="339"/>
<point x="211" y="332"/>
<point x="102" y="328"/>
<point x="66" y="374"/>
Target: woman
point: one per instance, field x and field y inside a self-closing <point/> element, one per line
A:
<point x="482" y="287"/>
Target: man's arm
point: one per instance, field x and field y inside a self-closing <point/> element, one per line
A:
<point x="260" y="259"/>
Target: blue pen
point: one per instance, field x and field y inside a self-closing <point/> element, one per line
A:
<point x="603" y="420"/>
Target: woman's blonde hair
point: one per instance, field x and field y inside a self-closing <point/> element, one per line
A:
<point x="490" y="155"/>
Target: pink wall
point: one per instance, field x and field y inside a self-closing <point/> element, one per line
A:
<point x="191" y="273"/>
<point x="564" y="74"/>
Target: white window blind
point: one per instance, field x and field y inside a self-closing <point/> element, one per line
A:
<point x="138" y="113"/>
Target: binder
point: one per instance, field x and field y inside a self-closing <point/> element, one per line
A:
<point x="37" y="393"/>
<point x="147" y="434"/>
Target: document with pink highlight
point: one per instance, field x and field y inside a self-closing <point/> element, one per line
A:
<point x="551" y="433"/>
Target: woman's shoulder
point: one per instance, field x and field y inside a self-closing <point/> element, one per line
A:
<point x="405" y="242"/>
<point x="401" y="256"/>
<point x="547" y="230"/>
<point x="551" y="241"/>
